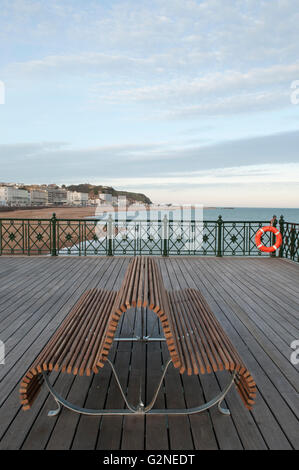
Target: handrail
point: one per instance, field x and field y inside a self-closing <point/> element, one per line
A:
<point x="91" y="236"/>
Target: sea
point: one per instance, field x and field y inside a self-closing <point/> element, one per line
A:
<point x="251" y="214"/>
<point x="229" y="214"/>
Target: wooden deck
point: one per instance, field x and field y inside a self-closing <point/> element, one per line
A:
<point x="255" y="300"/>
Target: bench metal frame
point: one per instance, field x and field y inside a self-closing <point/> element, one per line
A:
<point x="141" y="408"/>
<point x="209" y="350"/>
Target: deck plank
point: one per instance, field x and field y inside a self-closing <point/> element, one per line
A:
<point x="255" y="300"/>
<point x="180" y="435"/>
<point x="64" y="427"/>
<point x="268" y="399"/>
<point x="156" y="431"/>
<point x="21" y="420"/>
<point x="226" y="433"/>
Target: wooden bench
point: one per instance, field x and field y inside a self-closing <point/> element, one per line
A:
<point x="196" y="341"/>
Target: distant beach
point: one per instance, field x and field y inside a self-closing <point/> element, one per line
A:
<point x="209" y="213"/>
<point x="46" y="213"/>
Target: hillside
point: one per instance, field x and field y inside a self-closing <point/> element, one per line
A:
<point x="95" y="190"/>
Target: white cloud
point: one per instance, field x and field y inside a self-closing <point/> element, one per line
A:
<point x="83" y="63"/>
<point x="247" y="174"/>
<point x="115" y="81"/>
<point x="213" y="83"/>
<point x="186" y="58"/>
<point x="150" y="159"/>
<point x="243" y="103"/>
<point x="217" y="93"/>
<point x="91" y="67"/>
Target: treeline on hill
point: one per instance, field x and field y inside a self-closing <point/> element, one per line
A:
<point x="94" y="191"/>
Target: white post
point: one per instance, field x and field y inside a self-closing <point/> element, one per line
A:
<point x="110" y="227"/>
<point x="110" y="234"/>
<point x="165" y="235"/>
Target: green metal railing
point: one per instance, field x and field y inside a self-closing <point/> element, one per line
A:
<point x="134" y="237"/>
<point x="290" y="240"/>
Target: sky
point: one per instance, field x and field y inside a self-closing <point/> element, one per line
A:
<point x="187" y="101"/>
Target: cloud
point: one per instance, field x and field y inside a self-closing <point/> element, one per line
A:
<point x="228" y="92"/>
<point x="10" y="154"/>
<point x="212" y="84"/>
<point x="246" y="174"/>
<point x="217" y="93"/>
<point x="229" y="172"/>
<point x="117" y="69"/>
<point x="243" y="103"/>
<point x="232" y="195"/>
<point x="87" y="62"/>
<point x="155" y="160"/>
<point x="239" y="31"/>
<point x="182" y="59"/>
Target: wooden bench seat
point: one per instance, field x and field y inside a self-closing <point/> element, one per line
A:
<point x="75" y="346"/>
<point x="198" y="344"/>
<point x="196" y="341"/>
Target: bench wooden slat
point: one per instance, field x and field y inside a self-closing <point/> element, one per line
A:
<point x="199" y="352"/>
<point x="196" y="341"/>
<point x="94" y="346"/>
<point x="64" y="349"/>
<point x="70" y="326"/>
<point x="55" y="341"/>
<point x="209" y="333"/>
<point x="71" y="336"/>
<point x="216" y="347"/>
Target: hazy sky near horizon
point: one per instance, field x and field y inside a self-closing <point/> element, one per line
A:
<point x="185" y="100"/>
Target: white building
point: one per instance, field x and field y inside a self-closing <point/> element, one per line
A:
<point x="57" y="196"/>
<point x="14" y="196"/>
<point x="106" y="197"/>
<point x="77" y="199"/>
<point x="122" y="201"/>
<point x="39" y="197"/>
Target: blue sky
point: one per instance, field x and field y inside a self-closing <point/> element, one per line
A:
<point x="185" y="100"/>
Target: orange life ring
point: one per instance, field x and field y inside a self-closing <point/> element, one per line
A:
<point x="260" y="233"/>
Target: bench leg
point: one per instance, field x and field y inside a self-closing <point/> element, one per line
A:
<point x="215" y="401"/>
<point x="61" y="401"/>
<point x="140" y="409"/>
<point x="224" y="411"/>
<point x="57" y="411"/>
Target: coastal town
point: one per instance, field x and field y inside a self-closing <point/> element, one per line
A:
<point x="19" y="195"/>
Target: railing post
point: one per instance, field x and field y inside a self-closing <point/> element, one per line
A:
<point x="219" y="236"/>
<point x="293" y="239"/>
<point x="165" y="235"/>
<point x="26" y="241"/>
<point x="281" y="229"/>
<point x="110" y="235"/>
<point x="273" y="254"/>
<point x="54" y="235"/>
